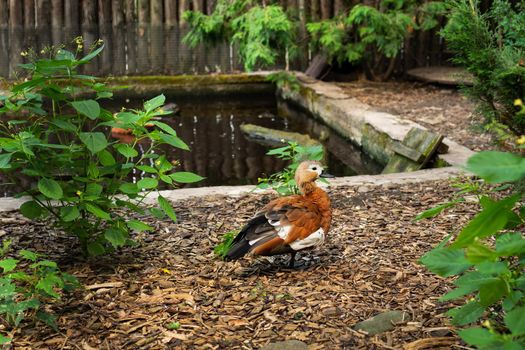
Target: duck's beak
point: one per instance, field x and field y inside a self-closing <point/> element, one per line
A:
<point x="326" y="175"/>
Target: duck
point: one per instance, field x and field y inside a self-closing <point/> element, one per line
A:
<point x="288" y="224"/>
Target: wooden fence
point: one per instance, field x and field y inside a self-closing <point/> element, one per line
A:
<point x="144" y="36"/>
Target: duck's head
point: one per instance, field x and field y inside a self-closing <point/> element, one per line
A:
<point x="309" y="171"/>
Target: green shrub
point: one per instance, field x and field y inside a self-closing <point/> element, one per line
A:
<point x="57" y="135"/>
<point x="261" y="33"/>
<point x="27" y="284"/>
<point x="491" y="46"/>
<point x="373" y="36"/>
<point x="222" y="248"/>
<point x="283" y="182"/>
<point x="488" y="256"/>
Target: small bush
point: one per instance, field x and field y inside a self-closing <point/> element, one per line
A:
<point x="283" y="182"/>
<point x="488" y="256"/>
<point x="490" y="45"/>
<point x="27" y="284"/>
<point x="57" y="135"/>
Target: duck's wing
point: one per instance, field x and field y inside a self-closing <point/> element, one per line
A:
<point x="285" y="225"/>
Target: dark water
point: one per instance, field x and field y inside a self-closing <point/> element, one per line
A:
<point x="223" y="154"/>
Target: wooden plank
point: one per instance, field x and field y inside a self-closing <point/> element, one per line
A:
<point x="421" y="141"/>
<point x="57" y="22"/>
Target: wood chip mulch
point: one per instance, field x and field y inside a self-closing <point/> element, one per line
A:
<point x="367" y="266"/>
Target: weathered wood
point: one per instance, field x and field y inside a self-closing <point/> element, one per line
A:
<point x="184" y="5"/>
<point x="274" y="138"/>
<point x="57" y="22"/>
<point x="170" y="13"/>
<point x="157" y="13"/>
<point x="29" y="14"/>
<point x="130" y="12"/>
<point x="326" y="9"/>
<point x="72" y="17"/>
<point x="89" y="29"/>
<point x="4" y="14"/>
<point x="422" y="142"/>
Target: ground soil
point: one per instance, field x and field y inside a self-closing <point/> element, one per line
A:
<point x="441" y="109"/>
<point x="368" y="265"/>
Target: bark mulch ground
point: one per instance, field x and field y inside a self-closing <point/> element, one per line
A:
<point x="440" y="109"/>
<point x="367" y="266"/>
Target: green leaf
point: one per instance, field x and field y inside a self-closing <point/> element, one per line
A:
<point x="510" y="244"/>
<point x="512" y="300"/>
<point x="46" y="263"/>
<point x="116" y="237"/>
<point x="48" y="284"/>
<point x="492" y="292"/>
<point x="93" y="209"/>
<point x="94" y="141"/>
<point x="89" y="108"/>
<point x="93" y="191"/>
<point x="31" y="209"/>
<point x="515" y="321"/>
<point x="50" y="188"/>
<point x="456" y="293"/>
<point x="186" y="177"/>
<point x="477" y="252"/>
<point x="91" y="55"/>
<point x="29" y="255"/>
<point x="164" y="127"/>
<point x="5" y="159"/>
<point x="106" y="158"/>
<point x="429" y="213"/>
<point x="8" y="264"/>
<point x="156" y="212"/>
<point x="95" y="249"/>
<point x="477" y="336"/>
<point x="4" y="340"/>
<point x="495" y="167"/>
<point x="126" y="150"/>
<point x="64" y="125"/>
<point x="489" y="221"/>
<point x="69" y="213"/>
<point x="166" y="207"/>
<point x="467" y="313"/>
<point x="138" y="225"/>
<point x="154" y="103"/>
<point x="445" y="261"/>
<point x="147" y="169"/>
<point x="147" y="183"/>
<point x="166" y="179"/>
<point x="129" y="188"/>
<point x="48" y="319"/>
<point x="174" y="141"/>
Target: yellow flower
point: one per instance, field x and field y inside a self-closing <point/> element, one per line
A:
<point x="166" y="271"/>
<point x="79" y="193"/>
<point x="23" y="53"/>
<point x="157" y="163"/>
<point x="518" y="102"/>
<point x="521" y="140"/>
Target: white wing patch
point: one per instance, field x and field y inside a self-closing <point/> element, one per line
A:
<point x="315" y="239"/>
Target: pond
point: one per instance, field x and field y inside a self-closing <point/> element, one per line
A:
<point x="223" y="154"/>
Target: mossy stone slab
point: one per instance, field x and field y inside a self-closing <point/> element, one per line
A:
<point x="414" y="152"/>
<point x="286" y="345"/>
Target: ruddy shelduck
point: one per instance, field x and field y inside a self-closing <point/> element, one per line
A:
<point x="288" y="224"/>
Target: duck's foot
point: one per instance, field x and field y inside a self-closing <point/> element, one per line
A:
<point x="301" y="264"/>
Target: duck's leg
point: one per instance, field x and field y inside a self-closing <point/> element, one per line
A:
<point x="291" y="264"/>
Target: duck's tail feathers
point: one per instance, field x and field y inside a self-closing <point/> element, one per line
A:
<point x="241" y="244"/>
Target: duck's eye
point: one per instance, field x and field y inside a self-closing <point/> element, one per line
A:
<point x="314" y="168"/>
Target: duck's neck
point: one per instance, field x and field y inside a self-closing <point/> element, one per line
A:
<point x="307" y="188"/>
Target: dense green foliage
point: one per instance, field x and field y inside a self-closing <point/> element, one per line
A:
<point x="261" y="33"/>
<point x="488" y="255"/>
<point x="491" y="46"/>
<point x="26" y="284"/>
<point x="54" y="131"/>
<point x="283" y="182"/>
<point x="374" y="36"/>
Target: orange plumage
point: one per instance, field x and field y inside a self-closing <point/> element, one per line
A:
<point x="288" y="224"/>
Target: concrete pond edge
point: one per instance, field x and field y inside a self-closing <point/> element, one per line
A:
<point x="374" y="131"/>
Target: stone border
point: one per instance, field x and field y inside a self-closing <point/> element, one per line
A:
<point x="372" y="130"/>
